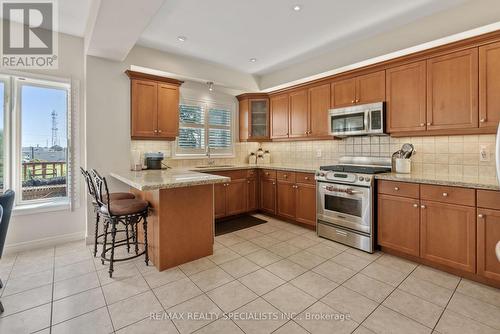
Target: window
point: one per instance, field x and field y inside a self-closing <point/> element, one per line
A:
<point x="204" y="126"/>
<point x="34" y="132"/>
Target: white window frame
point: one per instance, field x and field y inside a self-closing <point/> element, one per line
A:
<point x="180" y="153"/>
<point x="13" y="143"/>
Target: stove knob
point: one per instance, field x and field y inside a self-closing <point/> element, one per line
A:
<point x="321" y="174"/>
<point x="361" y="178"/>
<point x="367" y="179"/>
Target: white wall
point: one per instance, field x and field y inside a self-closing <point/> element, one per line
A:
<point x="27" y="231"/>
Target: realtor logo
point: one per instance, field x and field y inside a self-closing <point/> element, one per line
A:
<point x="29" y="38"/>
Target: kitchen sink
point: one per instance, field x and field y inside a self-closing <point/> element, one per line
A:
<point x="213" y="166"/>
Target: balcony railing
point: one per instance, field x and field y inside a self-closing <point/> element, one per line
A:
<point x="43" y="170"/>
<point x="44" y="180"/>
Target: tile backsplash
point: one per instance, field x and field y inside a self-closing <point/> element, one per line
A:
<point x="443" y="155"/>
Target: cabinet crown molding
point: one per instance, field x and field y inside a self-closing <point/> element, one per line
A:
<point x="152" y="77"/>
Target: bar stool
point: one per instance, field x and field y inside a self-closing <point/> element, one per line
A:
<point x="129" y="212"/>
<point x="113" y="197"/>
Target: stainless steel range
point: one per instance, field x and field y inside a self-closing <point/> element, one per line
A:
<point x="345" y="204"/>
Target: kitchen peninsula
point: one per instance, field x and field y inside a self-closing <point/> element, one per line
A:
<point x="181" y="219"/>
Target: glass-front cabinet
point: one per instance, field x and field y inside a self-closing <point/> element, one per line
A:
<point x="254" y="117"/>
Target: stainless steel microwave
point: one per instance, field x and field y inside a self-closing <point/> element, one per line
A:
<point x="364" y="119"/>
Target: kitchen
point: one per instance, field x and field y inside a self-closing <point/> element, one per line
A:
<point x="354" y="191"/>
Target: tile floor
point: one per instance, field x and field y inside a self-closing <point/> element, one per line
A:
<point x="274" y="277"/>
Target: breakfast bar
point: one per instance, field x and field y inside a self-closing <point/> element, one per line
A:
<point x="181" y="220"/>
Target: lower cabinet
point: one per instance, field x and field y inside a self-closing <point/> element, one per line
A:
<point x="220" y="200"/>
<point x="236" y="197"/>
<point x="268" y="195"/>
<point x="297" y="200"/>
<point x="488" y="235"/>
<point x="253" y="194"/>
<point x="399" y="223"/>
<point x="448" y="235"/>
<point x="286" y="199"/>
<point x="305" y="197"/>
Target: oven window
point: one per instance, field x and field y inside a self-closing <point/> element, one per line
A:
<point x="348" y="206"/>
<point x="346" y="123"/>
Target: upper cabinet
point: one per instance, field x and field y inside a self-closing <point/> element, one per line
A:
<point x="299" y="114"/>
<point x="489" y="85"/>
<point x="279" y="116"/>
<point x="319" y="103"/>
<point x="452" y="91"/>
<point x="406" y="98"/>
<point x="154" y="104"/>
<point x="362" y="89"/>
<point x="254" y="117"/>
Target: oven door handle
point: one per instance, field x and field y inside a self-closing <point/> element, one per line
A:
<point x="348" y="191"/>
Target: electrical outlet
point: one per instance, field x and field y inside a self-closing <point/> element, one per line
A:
<point x="319" y="153"/>
<point x="484" y="153"/>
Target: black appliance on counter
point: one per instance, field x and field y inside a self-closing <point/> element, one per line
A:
<point x="153" y="160"/>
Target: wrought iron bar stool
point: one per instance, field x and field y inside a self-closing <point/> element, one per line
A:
<point x="129" y="212"/>
<point x="113" y="197"/>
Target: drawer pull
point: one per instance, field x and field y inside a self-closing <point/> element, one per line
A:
<point x="285" y="176"/>
<point x="396" y="188"/>
<point x="445" y="194"/>
<point x="422" y="206"/>
<point x="306" y="178"/>
<point x="480" y="215"/>
<point x="415" y="205"/>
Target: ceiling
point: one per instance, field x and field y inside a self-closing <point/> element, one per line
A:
<point x="231" y="32"/>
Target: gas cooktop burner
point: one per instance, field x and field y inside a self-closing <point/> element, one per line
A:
<point x="356" y="169"/>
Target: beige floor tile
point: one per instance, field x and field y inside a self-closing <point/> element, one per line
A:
<point x="334" y="271"/>
<point x="122" y="272"/>
<point x="284" y="249"/>
<point x="426" y="290"/>
<point x="263" y="257"/>
<point x="363" y="254"/>
<point x="196" y="266"/>
<point x="221" y="326"/>
<point x="384" y="320"/>
<point x="199" y="305"/>
<point x="396" y="263"/>
<point x="239" y="267"/>
<point x="126" y="288"/>
<point x="229" y="239"/>
<point x="306" y="259"/>
<point x="333" y="321"/>
<point x="270" y="320"/>
<point x="289" y="299"/>
<point x="211" y="279"/>
<point x="414" y="308"/>
<point x="314" y="284"/>
<point x="264" y="228"/>
<point x="303" y="242"/>
<point x="282" y="235"/>
<point x="350" y="302"/>
<point x="97" y="322"/>
<point x="159" y="278"/>
<point x="245" y="248"/>
<point x="265" y="241"/>
<point x="451" y="323"/>
<point x="362" y="330"/>
<point x="177" y="292"/>
<point x="26" y="300"/>
<point x="150" y="326"/>
<point x="334" y="244"/>
<point x="27" y="282"/>
<point x="248" y="233"/>
<point x="369" y="287"/>
<point x="223" y="255"/>
<point x="479" y="291"/>
<point x="261" y="281"/>
<point x="31" y="268"/>
<point x="231" y="296"/>
<point x="350" y="261"/>
<point x="290" y="327"/>
<point x="324" y="250"/>
<point x="75" y="285"/>
<point x="475" y="309"/>
<point x="26" y="322"/>
<point x="384" y="274"/>
<point x="437" y="277"/>
<point x="73" y="270"/>
<point x="286" y="269"/>
<point x="74" y="257"/>
<point x="133" y="309"/>
<point x="75" y="305"/>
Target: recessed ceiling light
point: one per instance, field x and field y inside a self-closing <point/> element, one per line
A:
<point x="181" y="38"/>
<point x="297" y="8"/>
<point x="252" y="60"/>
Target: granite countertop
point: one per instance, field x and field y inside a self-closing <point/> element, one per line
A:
<point x="444" y="180"/>
<point x="166" y="179"/>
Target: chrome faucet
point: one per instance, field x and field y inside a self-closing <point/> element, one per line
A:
<point x="210" y="161"/>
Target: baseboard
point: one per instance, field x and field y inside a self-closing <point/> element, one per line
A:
<point x="45" y="242"/>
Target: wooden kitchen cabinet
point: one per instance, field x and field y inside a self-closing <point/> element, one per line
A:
<point x="488" y="235"/>
<point x="305" y="199"/>
<point x="253" y="194"/>
<point x="406" y="98"/>
<point x="236" y="197"/>
<point x="268" y="195"/>
<point x="399" y="223"/>
<point x="319" y="104"/>
<point x="279" y="116"/>
<point x="452" y="91"/>
<point x="286" y="199"/>
<point x="448" y="235"/>
<point x="154" y="104"/>
<point x="254" y="117"/>
<point x="296" y="197"/>
<point x="220" y="200"/>
<point x="368" y="88"/>
<point x="298" y="114"/>
<point x="489" y="85"/>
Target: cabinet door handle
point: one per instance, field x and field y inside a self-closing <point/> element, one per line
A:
<point x="159" y="131"/>
<point x="248" y="182"/>
<point x="274" y="183"/>
<point x="357" y="100"/>
<point x="353" y="101"/>
<point x="429" y="124"/>
<point x="445" y="194"/>
<point x="306" y="178"/>
<point x="422" y="206"/>
<point x="422" y="124"/>
<point x="480" y="215"/>
<point x="396" y="188"/>
<point x="482" y="120"/>
<point x="155" y="131"/>
<point x="285" y="176"/>
<point x="415" y="205"/>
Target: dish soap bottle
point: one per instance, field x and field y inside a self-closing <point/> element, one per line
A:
<point x="267" y="157"/>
